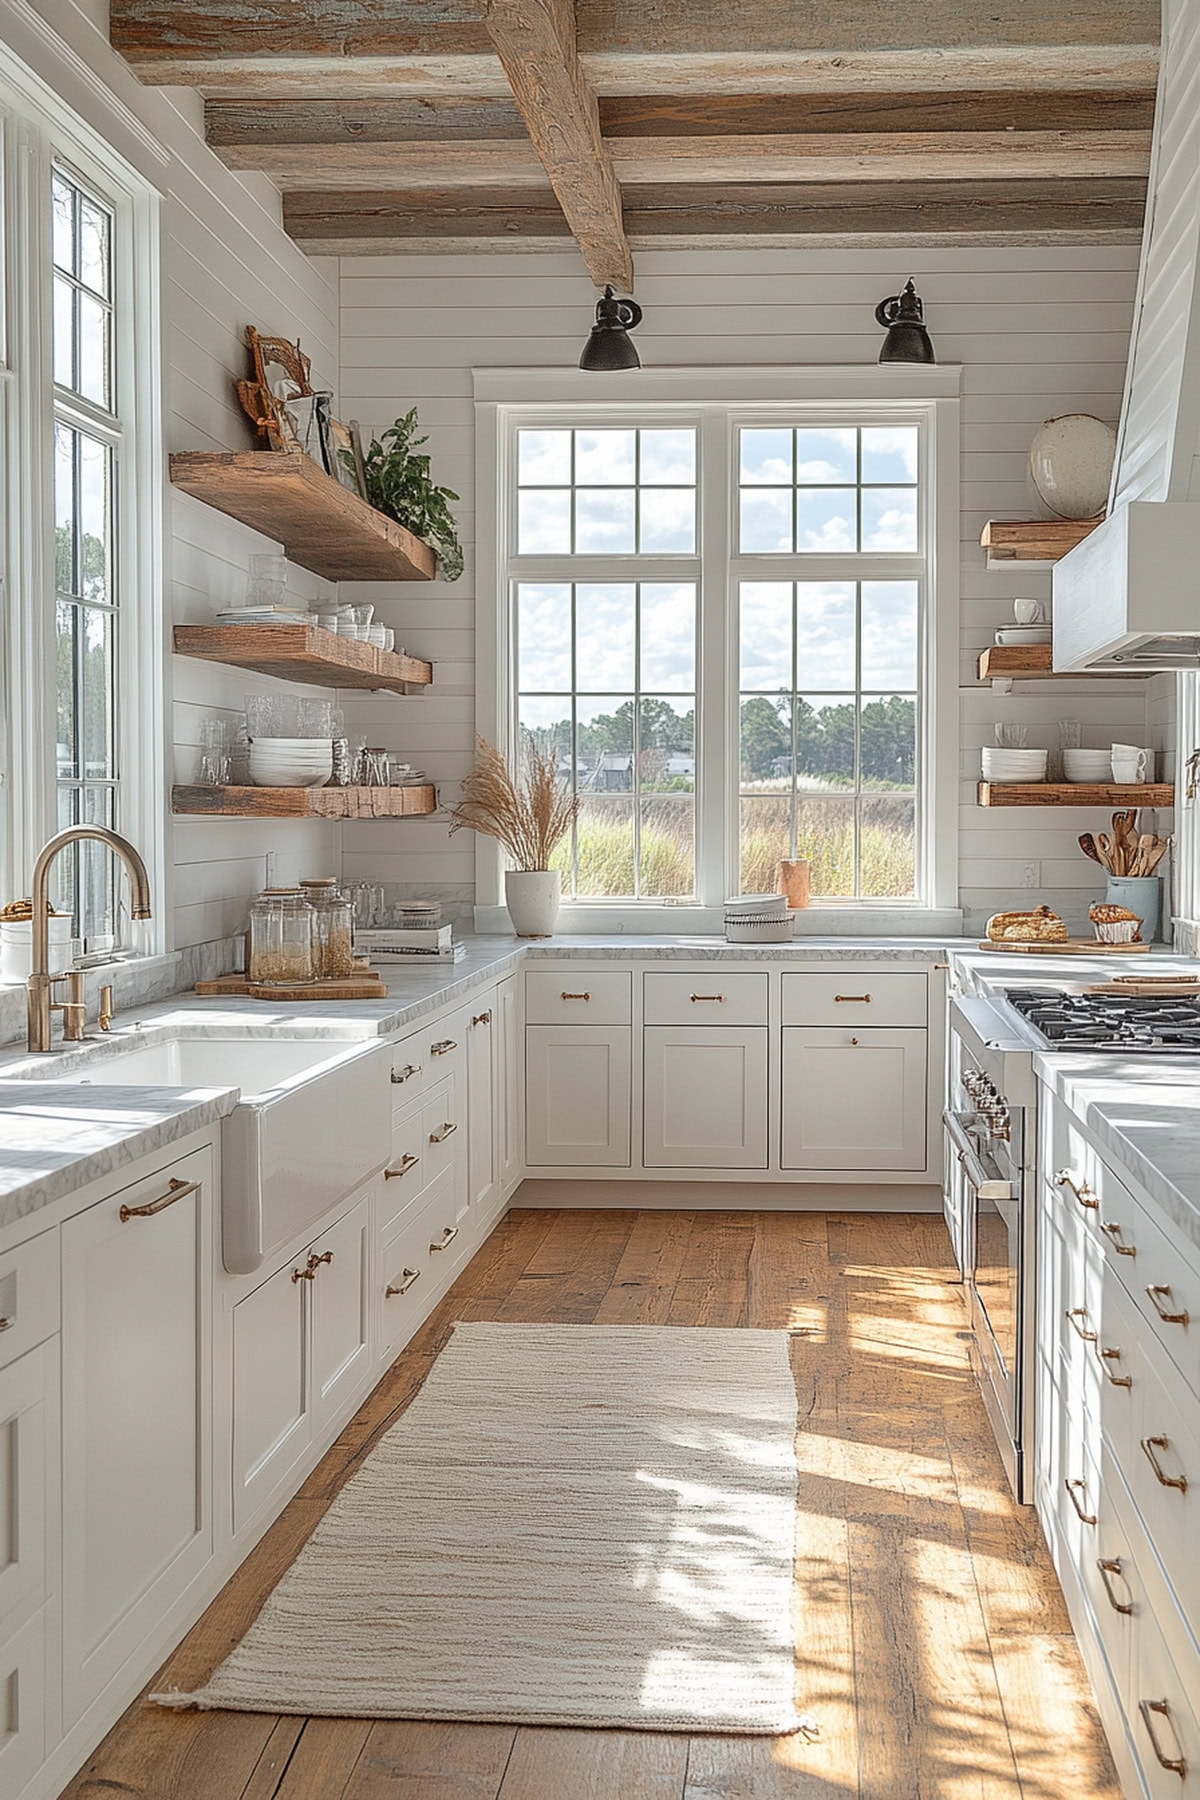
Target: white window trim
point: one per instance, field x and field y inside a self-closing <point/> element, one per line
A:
<point x="38" y="130"/>
<point x="503" y="396"/>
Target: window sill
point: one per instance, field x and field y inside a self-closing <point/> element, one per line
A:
<point x="700" y="921"/>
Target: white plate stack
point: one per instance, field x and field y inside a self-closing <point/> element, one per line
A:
<point x="1014" y="765"/>
<point x="290" y="762"/>
<point x="758" y="919"/>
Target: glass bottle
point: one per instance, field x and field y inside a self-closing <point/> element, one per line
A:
<point x="280" y="951"/>
<point x="332" y="928"/>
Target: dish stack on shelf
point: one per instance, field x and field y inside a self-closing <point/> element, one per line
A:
<point x="1002" y="764"/>
<point x="758" y="919"/>
<point x="1087" y="765"/>
<point x="291" y="762"/>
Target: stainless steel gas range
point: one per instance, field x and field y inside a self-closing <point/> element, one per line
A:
<point x="990" y="1160"/>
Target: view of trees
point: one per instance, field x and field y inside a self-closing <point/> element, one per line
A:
<point x="825" y="741"/>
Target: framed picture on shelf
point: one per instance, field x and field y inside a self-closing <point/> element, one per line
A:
<point x="340" y="460"/>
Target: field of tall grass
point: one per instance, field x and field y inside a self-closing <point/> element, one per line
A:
<point x="605" y="848"/>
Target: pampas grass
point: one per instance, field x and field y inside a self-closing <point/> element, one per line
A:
<point x="530" y="818"/>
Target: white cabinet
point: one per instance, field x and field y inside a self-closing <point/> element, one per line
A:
<point x="705" y="1097"/>
<point x="28" y="1439"/>
<point x="24" y="1681"/>
<point x="301" y="1350"/>
<point x="136" y="1426"/>
<point x="507" y="1052"/>
<point x="854" y="1099"/>
<point x="482" y="1147"/>
<point x="577" y="1101"/>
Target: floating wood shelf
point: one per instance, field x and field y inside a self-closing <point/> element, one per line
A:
<point x="304" y="653"/>
<point x="306" y="803"/>
<point x="1076" y="793"/>
<point x="321" y="525"/>
<point x="1038" y="541"/>
<point x="1033" y="662"/>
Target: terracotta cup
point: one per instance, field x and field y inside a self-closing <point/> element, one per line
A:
<point x="791" y="878"/>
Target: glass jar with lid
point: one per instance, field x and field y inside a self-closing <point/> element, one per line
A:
<point x="280" y="947"/>
<point x="332" y="927"/>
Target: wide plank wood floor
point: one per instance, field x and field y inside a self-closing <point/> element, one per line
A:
<point x="934" y="1645"/>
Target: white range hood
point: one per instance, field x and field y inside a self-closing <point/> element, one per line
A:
<point x="1128" y="596"/>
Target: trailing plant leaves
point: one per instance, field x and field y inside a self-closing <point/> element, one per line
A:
<point x="399" y="484"/>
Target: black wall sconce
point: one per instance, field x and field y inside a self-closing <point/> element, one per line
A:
<point x="609" y="345"/>
<point x="903" y="318"/>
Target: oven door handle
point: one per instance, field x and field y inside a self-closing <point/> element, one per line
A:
<point x="980" y="1181"/>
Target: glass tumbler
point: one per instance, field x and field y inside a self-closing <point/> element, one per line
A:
<point x="332" y="928"/>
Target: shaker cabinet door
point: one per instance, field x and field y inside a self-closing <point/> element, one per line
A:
<point x="705" y="1097"/>
<point x="272" y="1398"/>
<point x="854" y="1099"/>
<point x="577" y="1098"/>
<point x="482" y="1038"/>
<point x="341" y="1338"/>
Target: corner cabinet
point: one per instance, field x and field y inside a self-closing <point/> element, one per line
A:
<point x="137" y="1523"/>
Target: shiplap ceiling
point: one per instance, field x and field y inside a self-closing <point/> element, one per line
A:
<point x="464" y="124"/>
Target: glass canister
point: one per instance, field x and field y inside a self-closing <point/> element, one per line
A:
<point x="280" y="950"/>
<point x="332" y="928"/>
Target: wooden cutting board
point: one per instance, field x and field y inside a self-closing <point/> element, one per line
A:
<point x="366" y="986"/>
<point x="1071" y="947"/>
<point x="1148" y="989"/>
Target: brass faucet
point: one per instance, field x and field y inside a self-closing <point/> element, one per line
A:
<point x="41" y="984"/>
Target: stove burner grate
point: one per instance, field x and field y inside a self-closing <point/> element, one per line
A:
<point x="1138" y="1024"/>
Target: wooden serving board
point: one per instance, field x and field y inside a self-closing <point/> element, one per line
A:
<point x="366" y="986"/>
<point x="1148" y="989"/>
<point x="1071" y="947"/>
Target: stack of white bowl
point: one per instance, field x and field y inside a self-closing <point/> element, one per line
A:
<point x="290" y="762"/>
<point x="1014" y="765"/>
<point x="758" y="919"/>
<point x="1087" y="765"/>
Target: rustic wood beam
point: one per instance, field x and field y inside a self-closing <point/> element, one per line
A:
<point x="337" y="222"/>
<point x="884" y="156"/>
<point x="940" y="110"/>
<point x="535" y="41"/>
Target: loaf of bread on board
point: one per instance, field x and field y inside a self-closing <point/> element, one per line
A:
<point x="1039" y="927"/>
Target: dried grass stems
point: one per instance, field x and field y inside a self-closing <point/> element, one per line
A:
<point x="530" y="817"/>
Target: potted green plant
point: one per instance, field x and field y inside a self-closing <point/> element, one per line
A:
<point x="530" y="817"/>
<point x="398" y="483"/>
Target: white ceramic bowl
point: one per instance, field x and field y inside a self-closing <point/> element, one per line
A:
<point x="1013" y="765"/>
<point x="290" y="743"/>
<point x="281" y="778"/>
<point x="1087" y="765"/>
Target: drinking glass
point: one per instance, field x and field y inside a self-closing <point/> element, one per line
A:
<point x="1070" y="734"/>
<point x="1012" y="737"/>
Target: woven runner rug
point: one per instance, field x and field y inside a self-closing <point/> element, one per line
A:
<point x="570" y="1525"/>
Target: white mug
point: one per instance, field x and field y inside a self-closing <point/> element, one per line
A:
<point x="1027" y="612"/>
<point x="1130" y="763"/>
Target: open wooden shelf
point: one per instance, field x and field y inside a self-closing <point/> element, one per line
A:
<point x="1034" y="662"/>
<point x="306" y="803"/>
<point x="321" y="525"/>
<point x="1076" y="793"/>
<point x="1039" y="541"/>
<point x="303" y="653"/>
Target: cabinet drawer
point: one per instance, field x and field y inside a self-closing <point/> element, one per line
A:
<point x="28" y="1430"/>
<point x="410" y="1267"/>
<point x="557" y="996"/>
<point x="711" y="998"/>
<point x="407" y="1174"/>
<point x="442" y="1127"/>
<point x="1162" y="1718"/>
<point x="1160" y="1279"/>
<point x="23" y="1685"/>
<point x="410" y="1071"/>
<point x="28" y="1295"/>
<point x="872" y="997"/>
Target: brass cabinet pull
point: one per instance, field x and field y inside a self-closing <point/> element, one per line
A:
<point x="1111" y="1356"/>
<point x="484" y="1018"/>
<point x="443" y="1048"/>
<point x="1168" y="1318"/>
<point x="1150" y="1445"/>
<point x="308" y="1274"/>
<point x="7" y="1324"/>
<point x="439" y="1137"/>
<point x="855" y="1041"/>
<point x="400" y="1076"/>
<point x="447" y="1238"/>
<point x="1073" y="1497"/>
<point x="696" y="997"/>
<point x="1177" y="1764"/>
<point x="1112" y="1229"/>
<point x="1074" y="1314"/>
<point x="1111" y="1565"/>
<point x="407" y="1277"/>
<point x="314" y="1261"/>
<point x="575" y="996"/>
<point x="406" y="1163"/>
<point x="176" y="1190"/>
<point x="858" y="999"/>
<point x="1080" y="1189"/>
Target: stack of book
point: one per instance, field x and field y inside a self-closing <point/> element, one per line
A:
<point x="386" y="944"/>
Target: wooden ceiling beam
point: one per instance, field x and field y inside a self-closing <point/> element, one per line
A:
<point x="354" y="224"/>
<point x="905" y="109"/>
<point x="535" y="41"/>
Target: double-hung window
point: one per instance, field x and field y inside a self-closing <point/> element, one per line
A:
<point x="733" y="624"/>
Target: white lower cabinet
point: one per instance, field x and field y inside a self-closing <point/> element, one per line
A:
<point x="136" y="1427"/>
<point x="507" y="1051"/>
<point x="410" y="1265"/>
<point x="483" y="1179"/>
<point x="301" y="1346"/>
<point x="24" y="1680"/>
<point x="577" y="1095"/>
<point x="704" y="1097"/>
<point x="854" y="1099"/>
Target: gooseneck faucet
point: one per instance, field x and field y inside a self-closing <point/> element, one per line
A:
<point x="41" y="984"/>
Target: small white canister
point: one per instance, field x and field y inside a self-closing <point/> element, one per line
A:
<point x="16" y="947"/>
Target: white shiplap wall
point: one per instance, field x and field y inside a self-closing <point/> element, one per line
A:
<point x="1039" y="331"/>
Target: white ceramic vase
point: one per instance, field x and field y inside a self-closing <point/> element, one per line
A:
<point x="532" y="897"/>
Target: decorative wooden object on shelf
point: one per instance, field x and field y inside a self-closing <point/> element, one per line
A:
<point x="1068" y="947"/>
<point x="1076" y="793"/>
<point x="1033" y="540"/>
<point x="304" y="653"/>
<point x="321" y="525"/>
<point x="364" y="985"/>
<point x="306" y="803"/>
